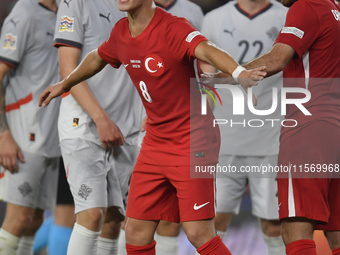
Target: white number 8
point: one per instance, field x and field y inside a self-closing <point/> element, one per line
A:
<point x="144" y="90"/>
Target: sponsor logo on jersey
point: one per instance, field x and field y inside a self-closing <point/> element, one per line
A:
<point x="10" y="42"/>
<point x="336" y="14"/>
<point x="154" y="65"/>
<point x="135" y="63"/>
<point x="197" y="207"/>
<point x="192" y="35"/>
<point x="84" y="191"/>
<point x="66" y="24"/>
<point x="273" y="33"/>
<point x="293" y="30"/>
<point x="32" y="137"/>
<point x="105" y="17"/>
<point x="25" y="189"/>
<point x="75" y="122"/>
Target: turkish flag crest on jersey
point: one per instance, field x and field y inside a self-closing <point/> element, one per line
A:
<point x="154" y="65"/>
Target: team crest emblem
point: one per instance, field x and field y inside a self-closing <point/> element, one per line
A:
<point x="66" y="24"/>
<point x="75" y="122"/>
<point x="25" y="189"/>
<point x="10" y="42"/>
<point x="154" y="65"/>
<point x="84" y="191"/>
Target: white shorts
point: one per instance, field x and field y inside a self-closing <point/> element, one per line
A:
<point x="98" y="177"/>
<point x="263" y="189"/>
<point x="35" y="185"/>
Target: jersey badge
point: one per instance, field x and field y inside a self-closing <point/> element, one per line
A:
<point x="66" y="24"/>
<point x="293" y="30"/>
<point x="25" y="189"/>
<point x="84" y="191"/>
<point x="10" y="42"/>
<point x="75" y="122"/>
<point x="32" y="137"/>
<point x="192" y="35"/>
<point x="273" y="33"/>
<point x="154" y="65"/>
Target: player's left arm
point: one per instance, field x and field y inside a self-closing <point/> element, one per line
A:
<point x="91" y="65"/>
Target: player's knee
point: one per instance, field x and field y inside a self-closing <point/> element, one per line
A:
<point x="22" y="221"/>
<point x="93" y="217"/>
<point x="137" y="235"/>
<point x="198" y="237"/>
<point x="271" y="228"/>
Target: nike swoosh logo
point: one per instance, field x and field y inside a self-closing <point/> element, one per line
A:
<point x="197" y="207"/>
<point x="126" y="65"/>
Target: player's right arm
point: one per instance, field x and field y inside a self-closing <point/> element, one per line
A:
<point x="108" y="132"/>
<point x="9" y="149"/>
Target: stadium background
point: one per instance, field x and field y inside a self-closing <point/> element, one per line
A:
<point x="244" y="236"/>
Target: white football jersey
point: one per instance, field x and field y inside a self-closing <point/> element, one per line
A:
<point x="86" y="24"/>
<point x="185" y="9"/>
<point x="26" y="44"/>
<point x="245" y="37"/>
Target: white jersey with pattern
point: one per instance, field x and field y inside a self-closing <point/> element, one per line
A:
<point x="245" y="37"/>
<point x="26" y="44"/>
<point x="86" y="24"/>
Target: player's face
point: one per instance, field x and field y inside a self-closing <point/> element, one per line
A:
<point x="131" y="5"/>
<point x="288" y="3"/>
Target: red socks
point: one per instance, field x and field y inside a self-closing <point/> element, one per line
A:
<point x="301" y="247"/>
<point x="145" y="250"/>
<point x="214" y="247"/>
<point x="336" y="252"/>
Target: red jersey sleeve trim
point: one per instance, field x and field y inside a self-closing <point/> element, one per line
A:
<point x="9" y="62"/>
<point x="63" y="42"/>
<point x="16" y="105"/>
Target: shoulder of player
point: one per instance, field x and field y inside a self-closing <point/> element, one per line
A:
<point x="191" y="6"/>
<point x="22" y="14"/>
<point x="278" y="7"/>
<point x="215" y="13"/>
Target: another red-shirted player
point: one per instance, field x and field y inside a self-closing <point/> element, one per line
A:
<point x="158" y="50"/>
<point x="308" y="50"/>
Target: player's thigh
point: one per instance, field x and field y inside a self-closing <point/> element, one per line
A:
<point x="230" y="185"/>
<point x="196" y="196"/>
<point x="87" y="167"/>
<point x="263" y="189"/>
<point x="306" y="194"/>
<point x="152" y="196"/>
<point x="23" y="188"/>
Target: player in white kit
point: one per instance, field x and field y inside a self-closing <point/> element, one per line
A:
<point x="93" y="117"/>
<point x="246" y="29"/>
<point x="29" y="151"/>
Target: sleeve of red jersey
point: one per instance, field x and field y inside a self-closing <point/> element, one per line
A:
<point x="108" y="50"/>
<point x="182" y="39"/>
<point x="301" y="29"/>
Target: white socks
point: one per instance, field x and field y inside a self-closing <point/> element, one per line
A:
<point x="82" y="241"/>
<point x="8" y="243"/>
<point x="122" y="243"/>
<point x="107" y="246"/>
<point x="167" y="245"/>
<point x="26" y="245"/>
<point x="275" y="245"/>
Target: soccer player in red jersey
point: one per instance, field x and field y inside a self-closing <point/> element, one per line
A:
<point x="307" y="49"/>
<point x="158" y="50"/>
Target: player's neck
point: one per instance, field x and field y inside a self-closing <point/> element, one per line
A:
<point x="164" y="2"/>
<point x="50" y="4"/>
<point x="252" y="6"/>
<point x="140" y="18"/>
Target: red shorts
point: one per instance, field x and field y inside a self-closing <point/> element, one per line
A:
<point x="168" y="193"/>
<point x="313" y="195"/>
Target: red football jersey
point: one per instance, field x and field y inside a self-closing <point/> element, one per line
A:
<point x="312" y="28"/>
<point x="160" y="64"/>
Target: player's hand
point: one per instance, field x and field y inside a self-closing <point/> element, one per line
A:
<point x="109" y="133"/>
<point x="249" y="78"/>
<point x="9" y="152"/>
<point x="143" y="128"/>
<point x="50" y="93"/>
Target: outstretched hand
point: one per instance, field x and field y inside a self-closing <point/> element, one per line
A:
<point x="50" y="93"/>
